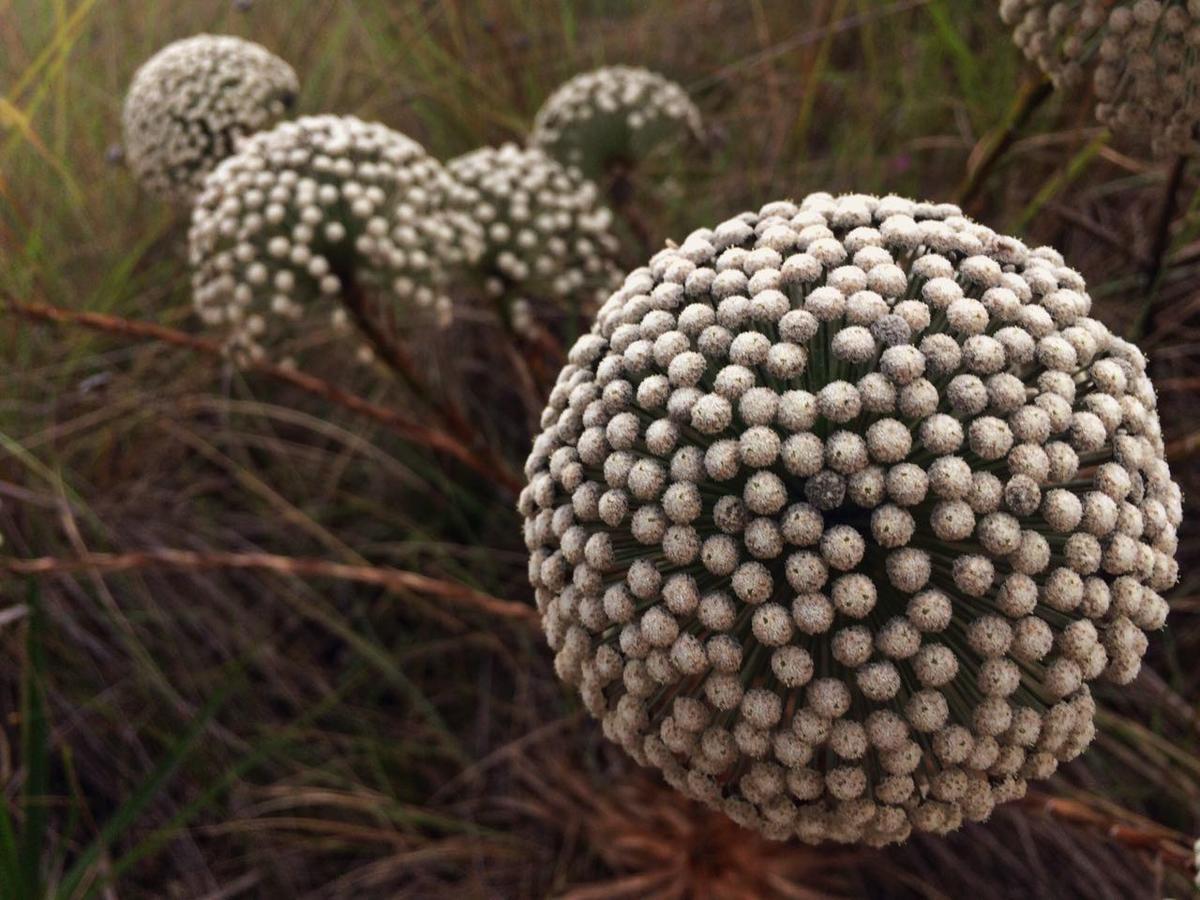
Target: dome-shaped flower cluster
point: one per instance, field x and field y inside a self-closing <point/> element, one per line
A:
<point x="614" y="114"/>
<point x="1144" y="56"/>
<point x="314" y="207"/>
<point x="546" y="234"/>
<point x="838" y="510"/>
<point x="190" y="104"/>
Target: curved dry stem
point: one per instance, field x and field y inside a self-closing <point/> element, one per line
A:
<point x="390" y="579"/>
<point x="993" y="145"/>
<point x="1129" y="830"/>
<point x="431" y="438"/>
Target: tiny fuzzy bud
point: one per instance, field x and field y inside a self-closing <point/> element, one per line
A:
<point x="926" y="711"/>
<point x="792" y="666"/>
<point x="825" y="490"/>
<point x="892" y="526"/>
<point x="854" y="595"/>
<point x="842" y="547"/>
<point x="839" y="402"/>
<point x="854" y="344"/>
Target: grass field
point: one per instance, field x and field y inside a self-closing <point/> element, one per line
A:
<point x="334" y="685"/>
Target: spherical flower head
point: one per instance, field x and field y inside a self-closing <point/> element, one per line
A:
<point x="313" y="209"/>
<point x="614" y="114"/>
<point x="1141" y="56"/>
<point x="191" y="103"/>
<point x="919" y="547"/>
<point x="548" y="240"/>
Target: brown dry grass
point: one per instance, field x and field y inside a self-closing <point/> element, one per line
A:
<point x="339" y="560"/>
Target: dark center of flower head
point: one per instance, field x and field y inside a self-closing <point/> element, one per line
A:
<point x="838" y="509"/>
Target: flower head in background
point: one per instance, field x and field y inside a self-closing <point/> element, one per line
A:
<point x="1142" y="56"/>
<point x="615" y="114"/>
<point x="838" y="510"/>
<point x="313" y="208"/>
<point x="190" y="104"/>
<point x="547" y="236"/>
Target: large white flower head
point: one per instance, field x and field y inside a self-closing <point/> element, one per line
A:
<point x="1144" y="56"/>
<point x="547" y="236"/>
<point x="190" y="104"/>
<point x="314" y="207"/>
<point x="839" y="508"/>
<point x="614" y="114"/>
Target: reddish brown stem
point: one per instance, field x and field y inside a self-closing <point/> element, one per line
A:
<point x="393" y="355"/>
<point x="1147" y="323"/>
<point x="431" y="438"/>
<point x="621" y="199"/>
<point x="397" y="358"/>
<point x="394" y="580"/>
<point x="1135" y="832"/>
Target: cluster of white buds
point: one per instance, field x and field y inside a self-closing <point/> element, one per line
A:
<point x="1144" y="56"/>
<point x="316" y="207"/>
<point x="839" y="508"/>
<point x="546" y="234"/>
<point x="190" y="104"/>
<point x="615" y="114"/>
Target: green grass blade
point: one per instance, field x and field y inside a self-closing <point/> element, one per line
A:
<point x="259" y="753"/>
<point x="129" y="811"/>
<point x="11" y="872"/>
<point x="964" y="58"/>
<point x="1063" y="179"/>
<point x="35" y="748"/>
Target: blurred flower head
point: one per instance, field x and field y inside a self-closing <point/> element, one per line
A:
<point x="190" y="104"/>
<point x="547" y="236"/>
<point x="1142" y="56"/>
<point x="315" y="207"/>
<point x="838" y="510"/>
<point x="614" y="114"/>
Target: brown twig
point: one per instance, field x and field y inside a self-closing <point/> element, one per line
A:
<point x="1183" y="447"/>
<point x="1109" y="238"/>
<point x="394" y="580"/>
<point x="993" y="145"/>
<point x="397" y="358"/>
<point x="1147" y="319"/>
<point x="621" y="199"/>
<point x="1130" y="831"/>
<point x="1183" y="385"/>
<point x="432" y="438"/>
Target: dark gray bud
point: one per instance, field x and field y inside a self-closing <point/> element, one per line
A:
<point x="826" y="490"/>
<point x="891" y="330"/>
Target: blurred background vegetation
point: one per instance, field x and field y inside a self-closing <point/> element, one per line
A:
<point x="198" y="730"/>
